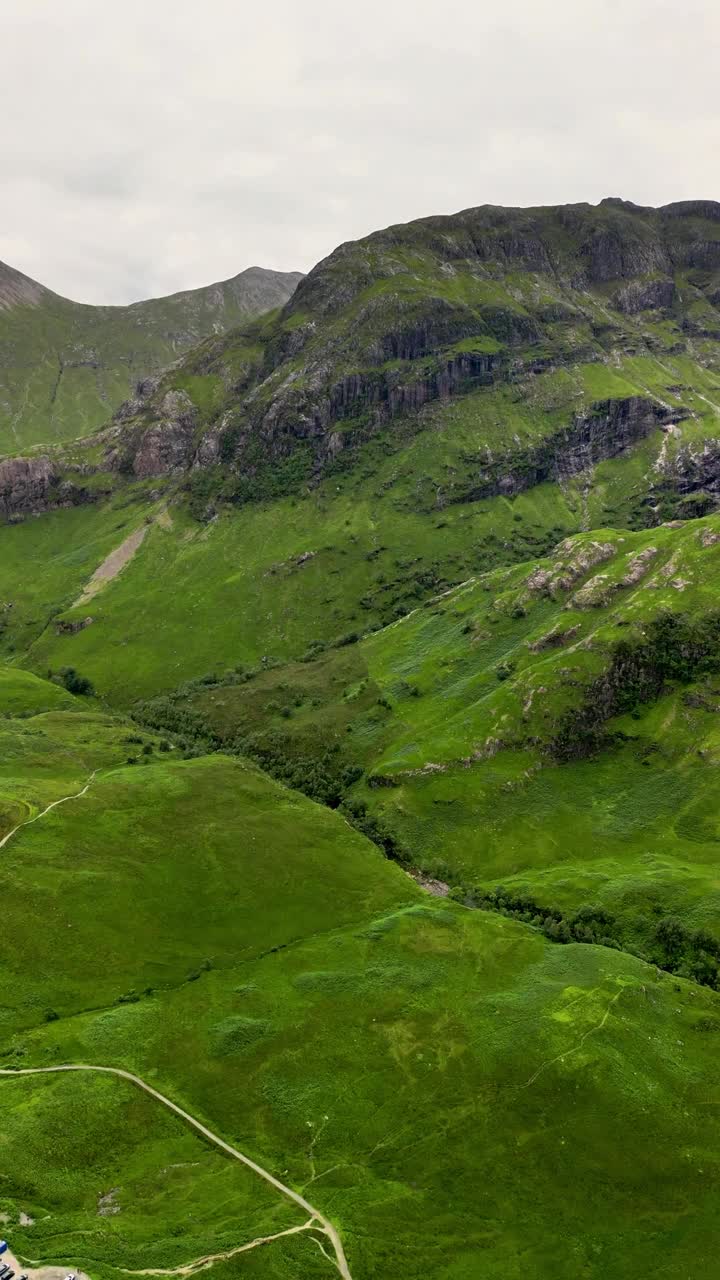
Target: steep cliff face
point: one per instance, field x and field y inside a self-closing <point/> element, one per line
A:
<point x="31" y="486"/>
<point x="163" y="447"/>
<point x="426" y="313"/>
<point x="25" y="486"/>
<point x="606" y="430"/>
<point x="441" y="306"/>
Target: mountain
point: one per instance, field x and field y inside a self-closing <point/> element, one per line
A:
<point x="373" y="650"/>
<point x="64" y="366"/>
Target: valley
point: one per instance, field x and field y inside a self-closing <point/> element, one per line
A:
<point x="412" y="578"/>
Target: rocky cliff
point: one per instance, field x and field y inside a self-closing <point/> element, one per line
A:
<point x="430" y="312"/>
<point x="444" y="305"/>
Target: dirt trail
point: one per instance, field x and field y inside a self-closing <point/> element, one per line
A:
<point x="63" y="800"/>
<point x="200" y="1264"/>
<point x="112" y="564"/>
<point x="323" y="1224"/>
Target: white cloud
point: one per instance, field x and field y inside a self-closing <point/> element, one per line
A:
<point x="148" y="147"/>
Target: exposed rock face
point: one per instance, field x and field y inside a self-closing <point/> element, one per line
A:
<point x="165" y="446"/>
<point x="639" y="296"/>
<point x="618" y="253"/>
<point x="31" y="486"/>
<point x="611" y="427"/>
<point x="18" y="290"/>
<point x="425" y="312"/>
<point x="72" y="628"/>
<point x="25" y="485"/>
<point x="638" y="567"/>
<point x="309" y="411"/>
<point x="695" y="468"/>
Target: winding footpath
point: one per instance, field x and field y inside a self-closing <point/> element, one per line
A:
<point x="63" y="800"/>
<point x="323" y="1224"/>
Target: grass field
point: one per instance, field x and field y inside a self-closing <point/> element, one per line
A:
<point x="450" y="1088"/>
<point x="379" y="1069"/>
<point x="455" y="709"/>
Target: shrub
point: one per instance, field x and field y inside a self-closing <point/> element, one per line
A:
<point x="75" y="683"/>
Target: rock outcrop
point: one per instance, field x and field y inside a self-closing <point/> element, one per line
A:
<point x="25" y="486"/>
<point x="421" y="313"/>
<point x="653" y="295"/>
<point x="31" y="486"/>
<point x="607" y="430"/>
<point x="164" y="446"/>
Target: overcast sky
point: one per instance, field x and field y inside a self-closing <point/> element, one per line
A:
<point x="153" y="145"/>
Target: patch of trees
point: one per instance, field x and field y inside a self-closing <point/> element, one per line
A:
<point x="688" y="953"/>
<point x="319" y="769"/>
<point x="674" y="647"/>
<point x="260" y="480"/>
<point x="375" y="828"/>
<point x="591" y="924"/>
<point x="75" y="683"/>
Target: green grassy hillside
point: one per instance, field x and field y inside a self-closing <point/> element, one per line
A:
<point x="250" y="955"/>
<point x="65" y="367"/>
<point x="359" y="549"/>
<point x="416" y="579"/>
<point x="550" y="727"/>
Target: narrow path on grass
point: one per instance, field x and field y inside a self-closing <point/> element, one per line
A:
<point x="63" y="800"/>
<point x="200" y="1264"/>
<point x="324" y="1223"/>
<point x="567" y="1053"/>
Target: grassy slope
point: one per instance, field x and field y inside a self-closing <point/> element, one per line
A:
<point x="354" y="1037"/>
<point x="383" y="535"/>
<point x="448" y="1086"/>
<point x="475" y="795"/>
<point x="380" y="1071"/>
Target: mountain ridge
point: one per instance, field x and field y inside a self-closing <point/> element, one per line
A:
<point x="10" y="275"/>
<point x="65" y="366"/>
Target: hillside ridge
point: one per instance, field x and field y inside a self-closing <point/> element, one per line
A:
<point x="65" y="366"/>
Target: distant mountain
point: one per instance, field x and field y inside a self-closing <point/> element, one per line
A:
<point x="65" y="366"/>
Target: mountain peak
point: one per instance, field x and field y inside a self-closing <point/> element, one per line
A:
<point x="17" y="289"/>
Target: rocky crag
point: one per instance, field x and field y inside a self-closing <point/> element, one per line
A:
<point x="427" y="313"/>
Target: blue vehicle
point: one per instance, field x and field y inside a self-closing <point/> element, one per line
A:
<point x="3" y="1246"/>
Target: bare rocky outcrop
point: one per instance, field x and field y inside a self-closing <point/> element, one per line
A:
<point x="164" y="446"/>
<point x="653" y="295"/>
<point x="638" y="567"/>
<point x="25" y="486"/>
<point x="31" y="486"/>
<point x="695" y="467"/>
<point x="71" y="628"/>
<point x="606" y="430"/>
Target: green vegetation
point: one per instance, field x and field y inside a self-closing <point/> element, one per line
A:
<point x="66" y="367"/>
<point x="427" y="591"/>
<point x="356" y="1039"/>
